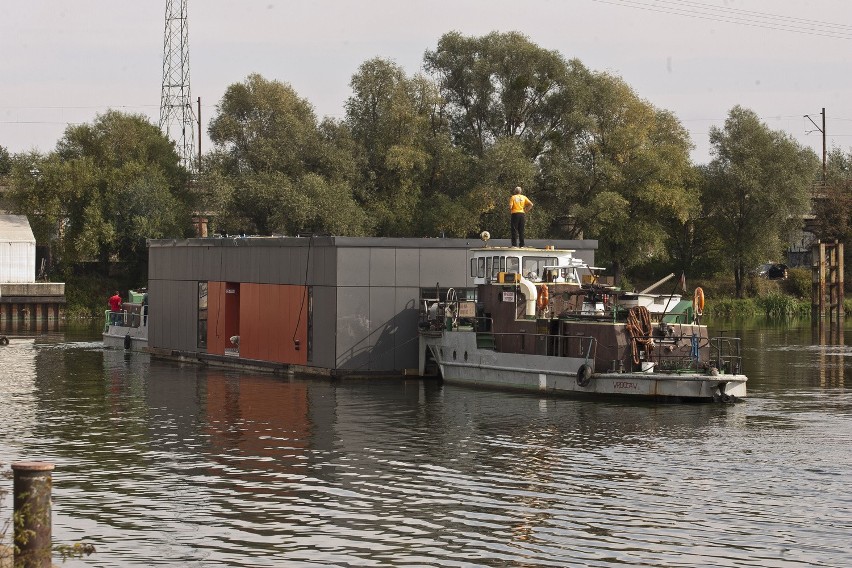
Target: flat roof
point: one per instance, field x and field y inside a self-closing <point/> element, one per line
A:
<point x="16" y="229"/>
<point x="377" y="242"/>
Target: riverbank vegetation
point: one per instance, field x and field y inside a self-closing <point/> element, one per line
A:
<point x="435" y="154"/>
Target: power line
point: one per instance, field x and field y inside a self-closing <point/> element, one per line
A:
<point x="748" y="18"/>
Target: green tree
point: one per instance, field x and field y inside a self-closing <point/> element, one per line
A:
<point x="108" y="187"/>
<point x="832" y="204"/>
<point x="503" y="85"/>
<point x="268" y="145"/>
<point x="756" y="189"/>
<point x="391" y="120"/>
<point x="5" y="161"/>
<point x="621" y="177"/>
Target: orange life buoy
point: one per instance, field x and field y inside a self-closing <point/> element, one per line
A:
<point x="698" y="301"/>
<point x="543" y="297"/>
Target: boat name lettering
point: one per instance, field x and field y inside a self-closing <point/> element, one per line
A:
<point x="625" y="385"/>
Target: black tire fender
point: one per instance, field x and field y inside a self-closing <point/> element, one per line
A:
<point x="4" y="340"/>
<point x="584" y="375"/>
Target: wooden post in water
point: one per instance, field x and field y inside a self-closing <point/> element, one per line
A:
<point x="33" y="530"/>
<point x="827" y="280"/>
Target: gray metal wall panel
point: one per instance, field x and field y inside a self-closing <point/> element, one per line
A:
<point x="178" y="263"/>
<point x="246" y="261"/>
<point x="447" y="267"/>
<point x="406" y="319"/>
<point x="324" y="324"/>
<point x="231" y="264"/>
<point x="295" y="274"/>
<point x="407" y="267"/>
<point x="323" y="266"/>
<point x="212" y="265"/>
<point x="179" y="300"/>
<point x="383" y="328"/>
<point x="382" y="267"/>
<point x="196" y="259"/>
<point x="353" y="328"/>
<point x="353" y="267"/>
<point x="331" y="265"/>
<point x="267" y="271"/>
<point x="284" y="265"/>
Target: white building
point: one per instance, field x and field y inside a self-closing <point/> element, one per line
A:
<point x="17" y="250"/>
<point x="23" y="301"/>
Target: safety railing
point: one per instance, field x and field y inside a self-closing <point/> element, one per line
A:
<point x="126" y="318"/>
<point x="725" y="353"/>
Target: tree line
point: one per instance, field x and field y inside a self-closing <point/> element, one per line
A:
<point x="436" y="154"/>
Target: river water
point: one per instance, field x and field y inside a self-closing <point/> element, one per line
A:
<point x="163" y="464"/>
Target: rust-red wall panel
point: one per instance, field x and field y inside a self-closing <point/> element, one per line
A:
<point x="269" y="315"/>
<point x="216" y="318"/>
<point x="250" y="334"/>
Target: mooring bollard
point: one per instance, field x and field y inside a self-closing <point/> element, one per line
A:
<point x="32" y="517"/>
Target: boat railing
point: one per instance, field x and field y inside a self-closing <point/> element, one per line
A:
<point x="135" y="316"/>
<point x="579" y="346"/>
<point x="726" y="355"/>
<point x="697" y="355"/>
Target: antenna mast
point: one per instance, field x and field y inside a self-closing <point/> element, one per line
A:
<point x="177" y="120"/>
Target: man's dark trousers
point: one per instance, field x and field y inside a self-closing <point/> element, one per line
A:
<point x="518" y="229"/>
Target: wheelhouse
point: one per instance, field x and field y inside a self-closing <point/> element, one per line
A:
<point x="503" y="264"/>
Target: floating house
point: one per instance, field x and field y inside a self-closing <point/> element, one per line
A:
<point x="334" y="305"/>
<point x="22" y="299"/>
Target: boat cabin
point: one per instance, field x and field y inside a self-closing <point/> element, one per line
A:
<point x="501" y="264"/>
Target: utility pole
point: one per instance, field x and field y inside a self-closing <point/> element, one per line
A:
<point x="823" y="142"/>
<point x="176" y="117"/>
<point x="199" y="135"/>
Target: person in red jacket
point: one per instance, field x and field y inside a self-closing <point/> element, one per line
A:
<point x="519" y="206"/>
<point x="115" y="308"/>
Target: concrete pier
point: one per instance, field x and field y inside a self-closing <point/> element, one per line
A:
<point x="33" y="302"/>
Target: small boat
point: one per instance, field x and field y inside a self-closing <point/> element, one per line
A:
<point x="541" y="320"/>
<point x="128" y="329"/>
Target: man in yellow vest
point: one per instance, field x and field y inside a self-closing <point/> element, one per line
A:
<point x="519" y="205"/>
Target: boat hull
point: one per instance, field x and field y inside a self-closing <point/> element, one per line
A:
<point x="461" y="361"/>
<point x="129" y="338"/>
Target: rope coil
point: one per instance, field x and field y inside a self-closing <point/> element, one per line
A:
<point x="639" y="327"/>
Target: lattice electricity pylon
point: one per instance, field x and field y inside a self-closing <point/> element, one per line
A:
<point x="177" y="120"/>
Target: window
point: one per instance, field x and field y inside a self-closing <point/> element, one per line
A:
<point x="534" y="266"/>
<point x="477" y="267"/>
<point x="498" y="264"/>
<point x="202" y="315"/>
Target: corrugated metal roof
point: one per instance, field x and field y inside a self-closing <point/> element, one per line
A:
<point x="15" y="229"/>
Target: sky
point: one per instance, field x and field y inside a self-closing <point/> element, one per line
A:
<point x="63" y="63"/>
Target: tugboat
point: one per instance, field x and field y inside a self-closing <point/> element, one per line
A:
<point x="535" y="324"/>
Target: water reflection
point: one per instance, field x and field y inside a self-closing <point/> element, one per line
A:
<point x="163" y="464"/>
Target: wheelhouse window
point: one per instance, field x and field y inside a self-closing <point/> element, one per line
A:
<point x="493" y="265"/>
<point x="477" y="267"/>
<point x="534" y="266"/>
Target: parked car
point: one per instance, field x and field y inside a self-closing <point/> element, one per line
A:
<point x="772" y="271"/>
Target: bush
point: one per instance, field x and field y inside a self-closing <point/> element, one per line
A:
<point x="86" y="296"/>
<point x="782" y="306"/>
<point x="731" y="308"/>
<point x="799" y="282"/>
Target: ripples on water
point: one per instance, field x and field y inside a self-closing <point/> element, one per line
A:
<point x="161" y="464"/>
